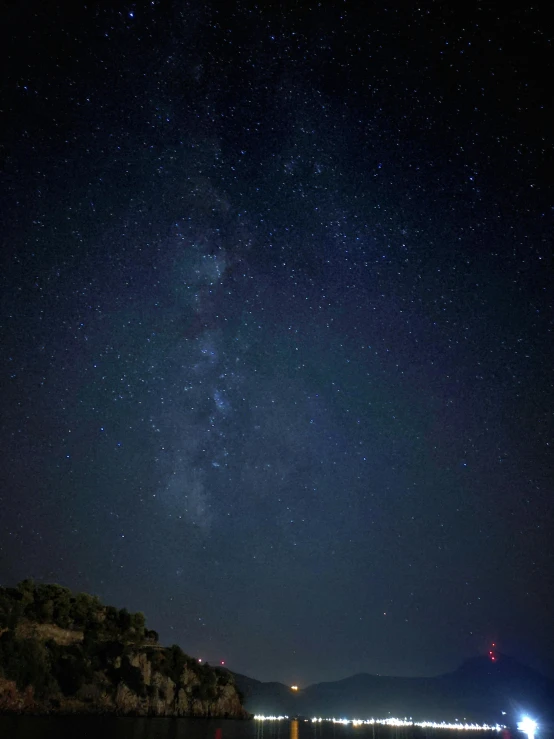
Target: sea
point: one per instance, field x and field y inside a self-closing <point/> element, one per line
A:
<point x="96" y="727"/>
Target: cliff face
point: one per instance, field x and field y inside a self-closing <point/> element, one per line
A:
<point x="169" y="699"/>
<point x="153" y="693"/>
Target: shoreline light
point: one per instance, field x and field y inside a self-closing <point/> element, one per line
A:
<point x="528" y="726"/>
<point x="403" y="722"/>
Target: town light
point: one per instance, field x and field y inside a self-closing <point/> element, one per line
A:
<point x="396" y="722"/>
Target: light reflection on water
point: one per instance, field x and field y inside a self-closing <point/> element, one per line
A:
<point x="79" y="727"/>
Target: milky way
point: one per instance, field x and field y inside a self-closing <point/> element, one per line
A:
<point x="277" y="328"/>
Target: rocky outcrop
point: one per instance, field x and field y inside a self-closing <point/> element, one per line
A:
<point x="43" y="632"/>
<point x="166" y="698"/>
<point x="159" y="694"/>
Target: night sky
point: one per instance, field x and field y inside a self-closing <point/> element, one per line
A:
<point x="277" y="325"/>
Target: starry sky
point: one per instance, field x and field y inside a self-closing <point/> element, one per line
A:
<point x="276" y="325"/>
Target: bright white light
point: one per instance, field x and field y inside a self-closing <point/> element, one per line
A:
<point x="528" y="726"/>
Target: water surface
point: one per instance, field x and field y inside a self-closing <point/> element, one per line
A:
<point x="96" y="727"/>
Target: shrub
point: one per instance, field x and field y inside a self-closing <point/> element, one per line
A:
<point x="27" y="662"/>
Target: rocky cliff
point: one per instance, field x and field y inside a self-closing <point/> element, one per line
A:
<point x="161" y="696"/>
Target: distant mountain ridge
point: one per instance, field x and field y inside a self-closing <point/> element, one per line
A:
<point x="479" y="690"/>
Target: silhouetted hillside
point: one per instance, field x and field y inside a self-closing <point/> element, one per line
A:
<point x="504" y="685"/>
<point x="479" y="690"/>
<point x="269" y="698"/>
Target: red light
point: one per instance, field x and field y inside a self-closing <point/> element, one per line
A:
<point x="222" y="661"/>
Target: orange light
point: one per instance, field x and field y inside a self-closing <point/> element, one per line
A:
<point x="294" y="687"/>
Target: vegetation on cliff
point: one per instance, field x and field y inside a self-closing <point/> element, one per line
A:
<point x="66" y="652"/>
